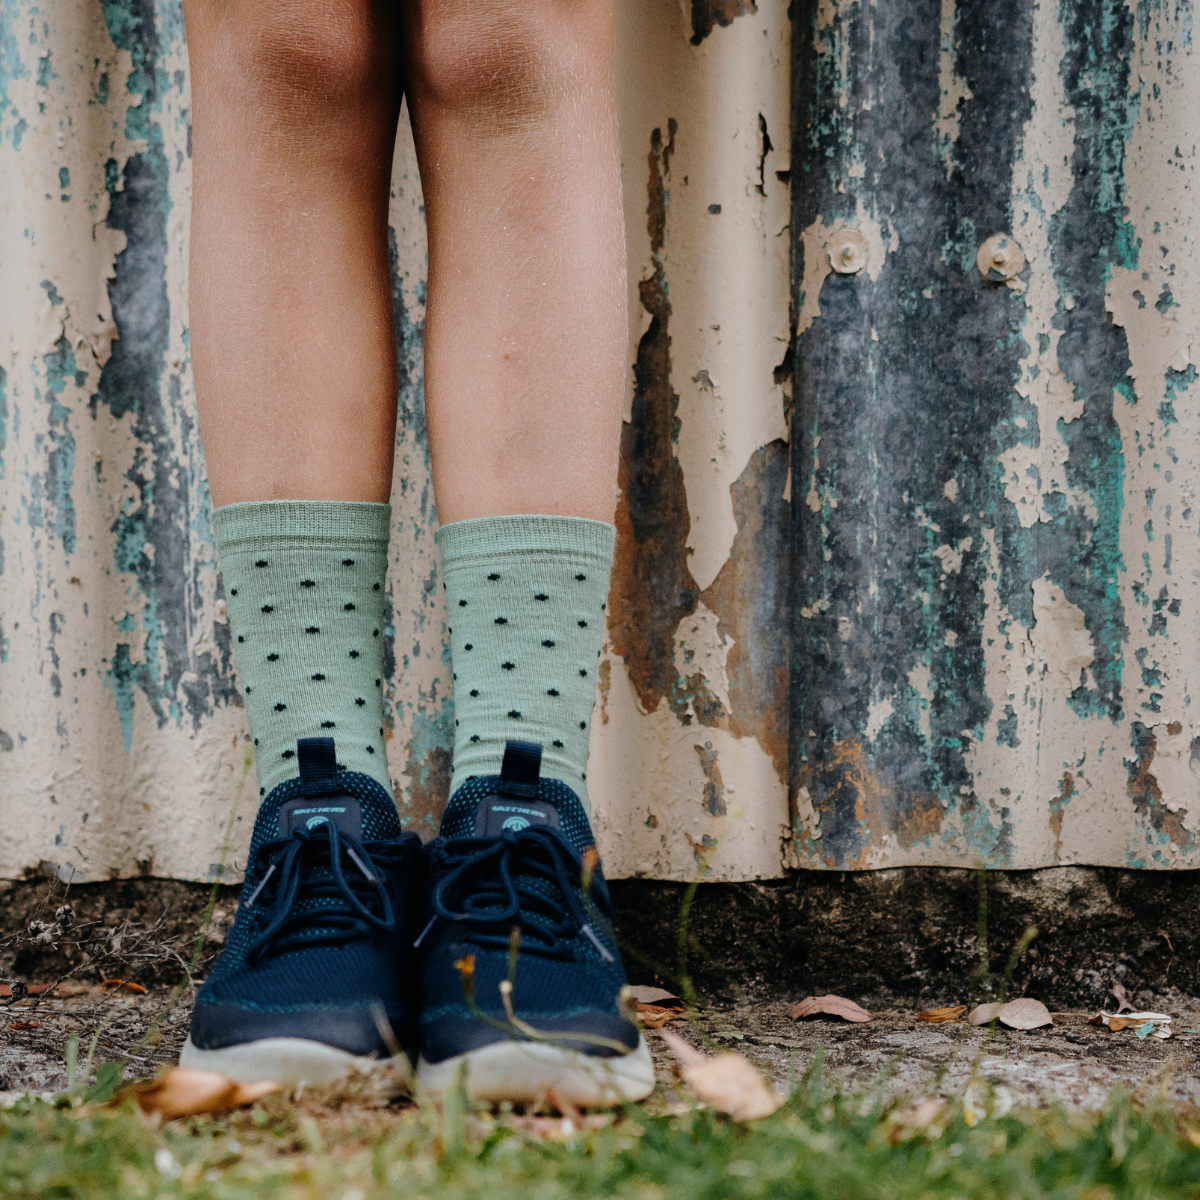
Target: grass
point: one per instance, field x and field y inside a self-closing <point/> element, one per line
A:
<point x="348" y="1143"/>
<point x="816" y="1146"/>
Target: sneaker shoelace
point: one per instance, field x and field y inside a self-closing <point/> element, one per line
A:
<point x="314" y="900"/>
<point x="530" y="879"/>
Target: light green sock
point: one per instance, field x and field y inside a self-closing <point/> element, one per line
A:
<point x="526" y="599"/>
<point x="304" y="582"/>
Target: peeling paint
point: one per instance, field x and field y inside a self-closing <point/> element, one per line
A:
<point x="995" y="608"/>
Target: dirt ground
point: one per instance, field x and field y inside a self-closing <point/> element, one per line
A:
<point x="1071" y="1063"/>
<point x="113" y="932"/>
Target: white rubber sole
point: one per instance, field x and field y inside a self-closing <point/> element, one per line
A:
<point x="529" y="1072"/>
<point x="284" y="1060"/>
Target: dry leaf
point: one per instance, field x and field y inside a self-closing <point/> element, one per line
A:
<point x="657" y="996"/>
<point x="180" y="1092"/>
<point x="1132" y="1020"/>
<point x="25" y="1025"/>
<point x="984" y="1013"/>
<point x="656" y="1006"/>
<point x="727" y="1081"/>
<point x="652" y="1016"/>
<point x="1122" y="996"/>
<point x="938" y="1016"/>
<point x="928" y="1116"/>
<point x="1116" y="1024"/>
<point x="833" y="1006"/>
<point x="1025" y="1014"/>
<point x="118" y="985"/>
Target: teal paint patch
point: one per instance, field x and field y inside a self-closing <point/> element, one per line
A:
<point x="135" y="384"/>
<point x="60" y="458"/>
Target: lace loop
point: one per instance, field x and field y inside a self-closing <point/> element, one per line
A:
<point x="531" y="879"/>
<point x="314" y="902"/>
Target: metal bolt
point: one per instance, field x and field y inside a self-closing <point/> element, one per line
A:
<point x="1000" y="259"/>
<point x="847" y="250"/>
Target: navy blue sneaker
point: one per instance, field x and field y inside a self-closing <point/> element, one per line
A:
<point x="516" y="853"/>
<point x="320" y="954"/>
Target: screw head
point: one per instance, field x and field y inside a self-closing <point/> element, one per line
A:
<point x="1000" y="259"/>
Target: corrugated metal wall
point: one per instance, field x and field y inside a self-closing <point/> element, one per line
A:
<point x="966" y="639"/>
<point x="996" y="547"/>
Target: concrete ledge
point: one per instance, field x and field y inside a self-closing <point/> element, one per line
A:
<point x="910" y="935"/>
<point x="907" y="936"/>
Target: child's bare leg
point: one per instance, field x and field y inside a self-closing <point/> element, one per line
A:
<point x="513" y="114"/>
<point x="295" y="105"/>
<point x="515" y="125"/>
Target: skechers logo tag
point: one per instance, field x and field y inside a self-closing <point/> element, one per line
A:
<point x="497" y="815"/>
<point x="344" y="812"/>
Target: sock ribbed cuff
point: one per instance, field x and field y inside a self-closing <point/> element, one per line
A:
<point x="298" y="523"/>
<point x="487" y="537"/>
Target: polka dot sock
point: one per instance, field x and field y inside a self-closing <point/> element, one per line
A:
<point x="525" y="598"/>
<point x="305" y="585"/>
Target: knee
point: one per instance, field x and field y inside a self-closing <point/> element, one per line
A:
<point x="504" y="63"/>
<point x="304" y="54"/>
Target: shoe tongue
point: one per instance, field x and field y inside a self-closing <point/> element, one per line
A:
<point x="517" y="799"/>
<point x="323" y="794"/>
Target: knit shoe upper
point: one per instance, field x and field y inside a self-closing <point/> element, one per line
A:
<point x="512" y="856"/>
<point x="323" y="934"/>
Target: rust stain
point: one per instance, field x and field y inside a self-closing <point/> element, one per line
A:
<point x="851" y="785"/>
<point x="429" y="771"/>
<point x="921" y="820"/>
<point x="1147" y="796"/>
<point x="847" y="782"/>
<point x="714" y="785"/>
<point x="708" y="14"/>
<point x="652" y="585"/>
<point x="750" y="599"/>
<point x="605" y="686"/>
<point x="1065" y="792"/>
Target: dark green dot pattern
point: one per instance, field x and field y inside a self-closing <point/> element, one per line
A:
<point x="306" y="617"/>
<point x="526" y="631"/>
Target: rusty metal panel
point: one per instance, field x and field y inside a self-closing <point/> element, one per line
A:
<point x="122" y="740"/>
<point x="995" y="557"/>
<point x="691" y="756"/>
<point x="967" y="639"/>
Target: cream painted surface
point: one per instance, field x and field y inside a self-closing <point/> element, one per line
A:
<point x="99" y="789"/>
<point x="98" y="795"/>
<point x="727" y="271"/>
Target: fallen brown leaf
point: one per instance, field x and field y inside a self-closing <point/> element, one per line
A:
<point x="1123" y="997"/>
<point x="833" y="1006"/>
<point x="928" y="1116"/>
<point x="180" y="1092"/>
<point x="984" y="1013"/>
<point x="652" y="1016"/>
<point x="938" y="1016"/>
<point x="25" y="1025"/>
<point x="127" y="985"/>
<point x="659" y="997"/>
<point x="727" y="1081"/>
<point x="1119" y="1023"/>
<point x="72" y="987"/>
<point x="1025" y="1014"/>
